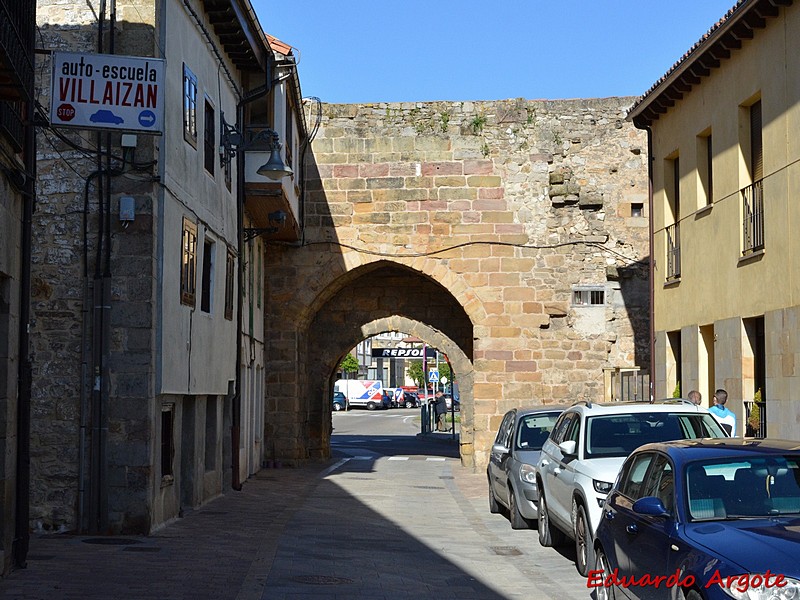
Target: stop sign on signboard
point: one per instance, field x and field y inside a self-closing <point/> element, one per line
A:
<point x="66" y="112"/>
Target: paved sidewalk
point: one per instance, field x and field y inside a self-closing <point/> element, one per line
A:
<point x="361" y="526"/>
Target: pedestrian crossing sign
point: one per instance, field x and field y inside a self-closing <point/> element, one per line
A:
<point x="433" y="375"/>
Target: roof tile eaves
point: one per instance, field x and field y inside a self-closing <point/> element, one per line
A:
<point x="687" y="55"/>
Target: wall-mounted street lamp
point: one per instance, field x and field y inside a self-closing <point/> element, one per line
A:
<point x="265" y="138"/>
<point x="276" y="220"/>
<point x="274" y="168"/>
<point x="232" y="140"/>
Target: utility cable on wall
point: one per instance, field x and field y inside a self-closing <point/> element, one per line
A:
<point x="457" y="246"/>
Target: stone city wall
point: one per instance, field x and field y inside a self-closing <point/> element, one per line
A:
<point x="508" y="205"/>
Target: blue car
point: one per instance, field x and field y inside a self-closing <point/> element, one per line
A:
<point x="106" y="116"/>
<point x="702" y="520"/>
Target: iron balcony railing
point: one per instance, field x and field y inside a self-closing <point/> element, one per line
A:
<point x="755" y="427"/>
<point x="17" y="28"/>
<point x="11" y="126"/>
<point x="673" y="251"/>
<point x="17" y="31"/>
<point x="753" y="217"/>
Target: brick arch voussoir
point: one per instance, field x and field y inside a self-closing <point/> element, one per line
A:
<point x="329" y="279"/>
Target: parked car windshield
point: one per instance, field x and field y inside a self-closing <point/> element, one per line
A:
<point x="534" y="429"/>
<point x="619" y="435"/>
<point x="759" y="486"/>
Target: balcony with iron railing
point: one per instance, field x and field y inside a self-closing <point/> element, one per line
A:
<point x="17" y="28"/>
<point x="16" y="67"/>
<point x="753" y="218"/>
<point x="673" y="252"/>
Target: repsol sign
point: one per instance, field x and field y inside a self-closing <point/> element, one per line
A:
<point x="403" y="352"/>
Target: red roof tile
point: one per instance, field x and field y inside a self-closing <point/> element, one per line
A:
<point x="279" y="46"/>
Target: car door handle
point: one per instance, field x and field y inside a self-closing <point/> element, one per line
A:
<point x="545" y="462"/>
<point x="633" y="529"/>
<point x="556" y="471"/>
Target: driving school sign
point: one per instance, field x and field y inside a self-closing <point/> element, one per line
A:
<point x="107" y="91"/>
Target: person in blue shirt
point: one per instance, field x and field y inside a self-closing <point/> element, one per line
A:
<point x="725" y="416"/>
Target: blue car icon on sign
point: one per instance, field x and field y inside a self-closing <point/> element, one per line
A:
<point x="106" y="116"/>
<point x="147" y="118"/>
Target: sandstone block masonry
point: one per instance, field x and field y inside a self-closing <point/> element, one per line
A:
<point x="531" y="216"/>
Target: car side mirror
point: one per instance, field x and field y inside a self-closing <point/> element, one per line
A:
<point x="500" y="449"/>
<point x="568" y="447"/>
<point x="650" y="505"/>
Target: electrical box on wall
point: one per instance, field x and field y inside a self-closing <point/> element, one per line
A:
<point x="127" y="208"/>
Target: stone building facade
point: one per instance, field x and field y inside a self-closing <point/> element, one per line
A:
<point x="145" y="407"/>
<point x="511" y="235"/>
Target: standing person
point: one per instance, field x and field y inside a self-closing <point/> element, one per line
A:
<point x="440" y="407"/>
<point x="695" y="397"/>
<point x="725" y="416"/>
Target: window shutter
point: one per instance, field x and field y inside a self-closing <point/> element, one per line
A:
<point x="756" y="143"/>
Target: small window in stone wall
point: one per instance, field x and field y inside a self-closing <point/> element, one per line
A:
<point x="167" y="443"/>
<point x="588" y="296"/>
<point x="637" y="209"/>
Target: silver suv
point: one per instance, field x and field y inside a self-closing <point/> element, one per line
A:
<point x="583" y="455"/>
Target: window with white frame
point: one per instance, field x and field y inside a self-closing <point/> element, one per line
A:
<point x="188" y="262"/>
<point x="209" y="138"/>
<point x="189" y="106"/>
<point x="207" y="276"/>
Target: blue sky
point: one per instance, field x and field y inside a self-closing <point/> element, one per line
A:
<point x="419" y="50"/>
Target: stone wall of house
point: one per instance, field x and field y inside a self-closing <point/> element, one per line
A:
<point x="508" y="205"/>
<point x="63" y="280"/>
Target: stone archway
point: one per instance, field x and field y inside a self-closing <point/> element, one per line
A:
<point x="382" y="296"/>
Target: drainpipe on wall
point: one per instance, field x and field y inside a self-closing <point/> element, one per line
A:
<point x="23" y="488"/>
<point x="236" y="407"/>
<point x="652" y="326"/>
<point x="236" y="484"/>
<point x="97" y="509"/>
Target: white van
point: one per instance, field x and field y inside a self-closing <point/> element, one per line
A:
<point x="361" y="393"/>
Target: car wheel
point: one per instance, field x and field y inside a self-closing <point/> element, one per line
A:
<point x="409" y="404"/>
<point x="337" y="407"/>
<point x="494" y="507"/>
<point x="371" y="406"/>
<point x="601" y="564"/>
<point x="549" y="535"/>
<point x="583" y="539"/>
<point x="516" y="518"/>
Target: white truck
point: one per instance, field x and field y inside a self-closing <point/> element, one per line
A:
<point x="361" y="393"/>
